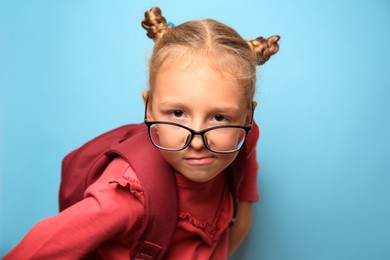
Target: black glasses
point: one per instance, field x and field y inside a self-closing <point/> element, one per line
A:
<point x="171" y="136"/>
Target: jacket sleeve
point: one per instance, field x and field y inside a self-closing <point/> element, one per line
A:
<point x="107" y="210"/>
<point x="248" y="191"/>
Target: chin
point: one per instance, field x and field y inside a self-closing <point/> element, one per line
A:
<point x="198" y="175"/>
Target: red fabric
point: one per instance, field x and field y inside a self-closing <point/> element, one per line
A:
<point x="109" y="219"/>
<point x="248" y="190"/>
<point x="205" y="212"/>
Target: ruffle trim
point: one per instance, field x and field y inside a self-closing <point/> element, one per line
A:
<point x="204" y="229"/>
<point x="133" y="185"/>
<point x="209" y="232"/>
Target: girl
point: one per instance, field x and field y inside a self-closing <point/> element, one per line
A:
<point x="198" y="110"/>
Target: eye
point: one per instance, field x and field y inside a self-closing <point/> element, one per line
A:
<point x="177" y="113"/>
<point x="219" y="118"/>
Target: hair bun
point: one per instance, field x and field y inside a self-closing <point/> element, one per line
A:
<point x="154" y="23"/>
<point x="264" y="48"/>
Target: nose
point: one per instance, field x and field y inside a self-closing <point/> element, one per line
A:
<point x="197" y="142"/>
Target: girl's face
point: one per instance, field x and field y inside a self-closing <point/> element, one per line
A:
<point x="198" y="97"/>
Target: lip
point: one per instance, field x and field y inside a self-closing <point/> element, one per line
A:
<point x="199" y="161"/>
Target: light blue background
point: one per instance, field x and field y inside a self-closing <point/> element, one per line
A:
<point x="70" y="70"/>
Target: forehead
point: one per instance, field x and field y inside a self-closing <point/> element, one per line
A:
<point x="197" y="82"/>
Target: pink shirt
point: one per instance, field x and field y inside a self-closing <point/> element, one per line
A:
<point x="110" y="217"/>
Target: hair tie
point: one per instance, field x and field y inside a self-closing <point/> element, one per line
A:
<point x="171" y="24"/>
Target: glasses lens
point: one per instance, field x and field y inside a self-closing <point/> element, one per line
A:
<point x="220" y="140"/>
<point x="226" y="139"/>
<point x="169" y="137"/>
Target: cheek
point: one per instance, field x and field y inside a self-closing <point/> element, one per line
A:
<point x="225" y="139"/>
<point x="169" y="136"/>
<point x="227" y="159"/>
<point x="171" y="157"/>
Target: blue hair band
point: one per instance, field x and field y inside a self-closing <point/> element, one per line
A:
<point x="171" y="24"/>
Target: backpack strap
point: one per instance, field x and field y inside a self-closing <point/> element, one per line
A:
<point x="160" y="194"/>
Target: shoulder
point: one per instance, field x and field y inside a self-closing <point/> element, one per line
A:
<point x="118" y="182"/>
<point x="119" y="171"/>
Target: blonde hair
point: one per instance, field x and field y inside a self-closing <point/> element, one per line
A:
<point x="223" y="46"/>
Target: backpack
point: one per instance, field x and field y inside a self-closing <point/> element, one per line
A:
<point x="83" y="166"/>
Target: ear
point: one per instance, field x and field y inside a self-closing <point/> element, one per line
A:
<point x="146" y="98"/>
<point x="254" y="104"/>
<point x="145" y="94"/>
<point x="250" y="111"/>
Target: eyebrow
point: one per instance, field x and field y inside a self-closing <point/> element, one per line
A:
<point x="225" y="109"/>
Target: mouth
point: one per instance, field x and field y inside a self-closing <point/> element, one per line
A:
<point x="199" y="161"/>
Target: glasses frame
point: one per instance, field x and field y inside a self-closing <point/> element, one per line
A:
<point x="194" y="132"/>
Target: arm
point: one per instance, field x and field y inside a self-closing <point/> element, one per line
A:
<point x="241" y="226"/>
<point x="107" y="210"/>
